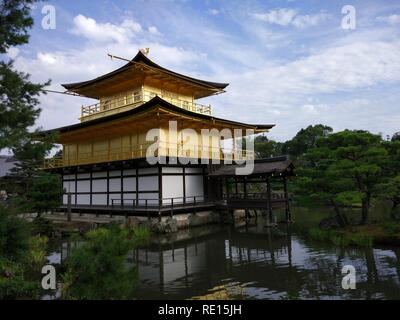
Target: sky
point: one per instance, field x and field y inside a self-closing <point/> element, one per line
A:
<point x="289" y="63"/>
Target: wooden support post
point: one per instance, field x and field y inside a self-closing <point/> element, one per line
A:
<point x="227" y="187"/>
<point x="269" y="203"/>
<point x="69" y="211"/>
<point x="287" y="205"/>
<point x="236" y="186"/>
<point x="245" y="187"/>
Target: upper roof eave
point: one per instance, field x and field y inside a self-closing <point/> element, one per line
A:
<point x="141" y="58"/>
<point x="157" y="101"/>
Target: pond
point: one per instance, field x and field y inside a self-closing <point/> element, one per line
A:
<point x="249" y="261"/>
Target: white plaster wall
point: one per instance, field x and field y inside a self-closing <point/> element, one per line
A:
<point x="99" y="185"/>
<point x="152" y="196"/>
<point x="148" y="170"/>
<point x="115" y="173"/>
<point x="99" y="199"/>
<point x="130" y="172"/>
<point x="83" y="176"/>
<point x="83" y="199"/>
<point x="65" y="199"/>
<point x="129" y="184"/>
<point x="148" y="183"/>
<point x="194" y="187"/>
<point x="69" y="186"/>
<point x="83" y="186"/>
<point x="193" y="170"/>
<point x="172" y="170"/>
<point x="115" y="184"/>
<point x="100" y="174"/>
<point x="172" y="187"/>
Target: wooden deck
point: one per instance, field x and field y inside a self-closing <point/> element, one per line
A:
<point x="139" y="211"/>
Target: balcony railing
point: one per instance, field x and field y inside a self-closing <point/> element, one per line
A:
<point x="140" y="151"/>
<point x="119" y="104"/>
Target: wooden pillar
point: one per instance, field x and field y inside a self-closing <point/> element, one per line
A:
<point x="287" y="206"/>
<point x="245" y="187"/>
<point x="236" y="185"/>
<point x="160" y="192"/>
<point x="269" y="202"/>
<point x="69" y="206"/>
<point x="184" y="184"/>
<point x="227" y="187"/>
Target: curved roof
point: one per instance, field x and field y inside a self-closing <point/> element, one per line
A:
<point x="157" y="101"/>
<point x="140" y="58"/>
<point x="267" y="166"/>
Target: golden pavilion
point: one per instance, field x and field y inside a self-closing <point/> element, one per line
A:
<point x="105" y="162"/>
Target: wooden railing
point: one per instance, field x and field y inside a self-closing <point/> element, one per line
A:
<point x="255" y="195"/>
<point x="165" y="203"/>
<point x="140" y="151"/>
<point x="119" y="104"/>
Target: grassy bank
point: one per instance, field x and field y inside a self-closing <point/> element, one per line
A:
<point x="387" y="233"/>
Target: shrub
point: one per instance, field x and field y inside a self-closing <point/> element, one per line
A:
<point x="98" y="270"/>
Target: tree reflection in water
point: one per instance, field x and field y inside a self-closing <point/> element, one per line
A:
<point x="253" y="262"/>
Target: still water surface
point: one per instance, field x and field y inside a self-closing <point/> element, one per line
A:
<point x="253" y="262"/>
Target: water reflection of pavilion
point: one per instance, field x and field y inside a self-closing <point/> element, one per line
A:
<point x="191" y="267"/>
<point x="268" y="266"/>
<point x="266" y="263"/>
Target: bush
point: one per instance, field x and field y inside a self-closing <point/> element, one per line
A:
<point x="14" y="235"/>
<point x="13" y="284"/>
<point x="37" y="251"/>
<point x="97" y="269"/>
<point x="339" y="238"/>
<point x="46" y="192"/>
<point x="19" y="254"/>
<point x="392" y="227"/>
<point x="42" y="226"/>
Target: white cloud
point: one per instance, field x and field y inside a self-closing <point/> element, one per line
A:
<point x="326" y="84"/>
<point x="46" y="58"/>
<point x="90" y="60"/>
<point x="286" y="17"/>
<point x="154" y="30"/>
<point x="392" y="19"/>
<point x="12" y="52"/>
<point x="282" y="17"/>
<point x="213" y="12"/>
<point x="105" y="32"/>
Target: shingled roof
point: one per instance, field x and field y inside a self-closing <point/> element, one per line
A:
<point x="268" y="166"/>
<point x="148" y="106"/>
<point x="141" y="59"/>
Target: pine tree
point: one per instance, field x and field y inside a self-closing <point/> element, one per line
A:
<point x="18" y="95"/>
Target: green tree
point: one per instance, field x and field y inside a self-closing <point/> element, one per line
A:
<point x="18" y="254"/>
<point x="396" y="136"/>
<point x="391" y="191"/>
<point x="19" y="111"/>
<point x="15" y="20"/>
<point x="18" y="95"/>
<point x="30" y="153"/>
<point x="344" y="168"/>
<point x="318" y="184"/>
<point x="390" y="188"/>
<point x="305" y="140"/>
<point x="265" y="148"/>
<point x="97" y="269"/>
<point x="46" y="192"/>
<point x="360" y="157"/>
